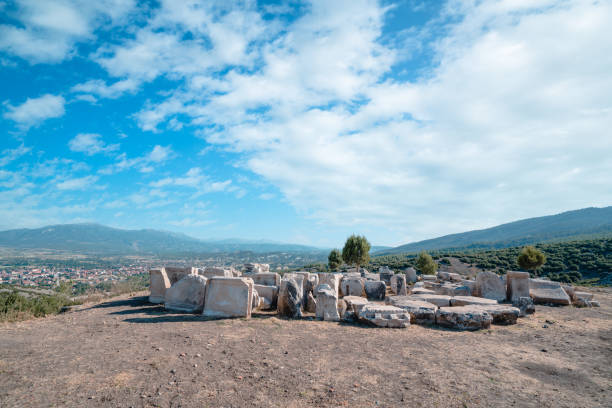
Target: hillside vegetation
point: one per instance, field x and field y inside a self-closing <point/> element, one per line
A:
<point x="583" y="261"/>
<point x="587" y="223"/>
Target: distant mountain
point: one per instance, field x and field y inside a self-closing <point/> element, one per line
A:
<point x="578" y="224"/>
<point x="102" y="240"/>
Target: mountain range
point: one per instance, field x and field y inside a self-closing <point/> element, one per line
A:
<point x="98" y="239"/>
<point x="570" y="225"/>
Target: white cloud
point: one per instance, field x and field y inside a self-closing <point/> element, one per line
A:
<point x="9" y="155"/>
<point x="97" y="88"/>
<point x="90" y="144"/>
<point x="49" y="30"/>
<point x="79" y="183"/>
<point x="145" y="164"/>
<point x="196" y="179"/>
<point x="35" y="110"/>
<point x="517" y="100"/>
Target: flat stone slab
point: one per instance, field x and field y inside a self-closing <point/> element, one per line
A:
<point x="229" y="297"/>
<point x="385" y="316"/>
<point x="491" y="286"/>
<point x="548" y="292"/>
<point x="211" y="271"/>
<point x="269" y="295"/>
<point x="422" y="291"/>
<point x="352" y="286"/>
<point x="266" y="278"/>
<point x="420" y="312"/>
<point x="438" y="300"/>
<point x="464" y="318"/>
<point x="355" y="303"/>
<point x="502" y="314"/>
<point x="187" y="295"/>
<point x="471" y="300"/>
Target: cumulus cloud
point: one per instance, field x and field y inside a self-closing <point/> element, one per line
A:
<point x="36" y="110"/>
<point x="47" y="31"/>
<point x="196" y="179"/>
<point x="144" y="164"/>
<point x="97" y="88"/>
<point x="90" y="144"/>
<point x="79" y="183"/>
<point x="9" y="155"/>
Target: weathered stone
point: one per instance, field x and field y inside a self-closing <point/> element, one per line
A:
<point x="489" y="285"/>
<point x="463" y="318"/>
<point x="268" y="295"/>
<point x="187" y="295"/>
<point x="229" y="297"/>
<point x="385" y="275"/>
<point x="462" y="291"/>
<point x="470" y="284"/>
<point x="158" y="283"/>
<point x="419" y="285"/>
<point x="211" y="271"/>
<point x="327" y="303"/>
<point x="257" y="302"/>
<point x="290" y="296"/>
<point x="355" y="303"/>
<point x="371" y="276"/>
<point x="583" y="299"/>
<point x="471" y="300"/>
<point x="310" y="303"/>
<point x="342" y="307"/>
<point x="502" y="314"/>
<point x="428" y="277"/>
<point x="411" y="275"/>
<point x="251" y="268"/>
<point x="422" y="291"/>
<point x="525" y="305"/>
<point x="331" y="279"/>
<point x="266" y="278"/>
<point x="375" y="290"/>
<point x="595" y="303"/>
<point x="455" y="277"/>
<point x="352" y="286"/>
<point x="175" y="273"/>
<point x="398" y="284"/>
<point x="446" y="288"/>
<point x="420" y="312"/>
<point x="445" y="276"/>
<point x="517" y="285"/>
<point x="311" y="283"/>
<point x="438" y="300"/>
<point x="547" y="292"/>
<point x="385" y="316"/>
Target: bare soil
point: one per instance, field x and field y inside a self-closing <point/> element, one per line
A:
<point x="128" y="353"/>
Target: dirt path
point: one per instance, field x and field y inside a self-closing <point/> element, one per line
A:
<point x="125" y="352"/>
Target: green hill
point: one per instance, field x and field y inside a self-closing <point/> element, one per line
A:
<point x="571" y="225"/>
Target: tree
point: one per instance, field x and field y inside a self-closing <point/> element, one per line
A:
<point x="425" y="264"/>
<point x="334" y="259"/>
<point x="531" y="258"/>
<point x="356" y="251"/>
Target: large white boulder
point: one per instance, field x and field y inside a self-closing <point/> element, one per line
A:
<point x="464" y="318"/>
<point x="327" y="303"/>
<point x="352" y="286"/>
<point x="229" y="297"/>
<point x="411" y="275"/>
<point x="375" y="290"/>
<point x="331" y="279"/>
<point x="491" y="286"/>
<point x="385" y="316"/>
<point x="355" y="303"/>
<point x="517" y="285"/>
<point x="420" y="312"/>
<point x="176" y="273"/>
<point x="158" y="283"/>
<point x="548" y="292"/>
<point x="187" y="295"/>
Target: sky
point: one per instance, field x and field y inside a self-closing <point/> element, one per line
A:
<point x="303" y="121"/>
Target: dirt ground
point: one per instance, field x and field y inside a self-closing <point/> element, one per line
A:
<point x="128" y="353"/>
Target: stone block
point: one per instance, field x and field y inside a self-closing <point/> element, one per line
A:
<point x="331" y="279"/>
<point x="548" y="292"/>
<point x="438" y="300"/>
<point x="290" y="296"/>
<point x="266" y="278"/>
<point x="420" y="312"/>
<point x="355" y="303"/>
<point x="489" y="285"/>
<point x="385" y="316"/>
<point x="229" y="297"/>
<point x="175" y="273"/>
<point x="443" y="276"/>
<point x="455" y="277"/>
<point x="385" y="275"/>
<point x="517" y="285"/>
<point x="327" y="303"/>
<point x="187" y="295"/>
<point x="411" y="275"/>
<point x="471" y="300"/>
<point x="310" y="303"/>
<point x="269" y="296"/>
<point x="463" y="318"/>
<point x="525" y="305"/>
<point x="428" y="277"/>
<point x="212" y="271"/>
<point x="398" y="284"/>
<point x="375" y="290"/>
<point x="422" y="291"/>
<point x="158" y="284"/>
<point x="502" y="314"/>
<point x="352" y="286"/>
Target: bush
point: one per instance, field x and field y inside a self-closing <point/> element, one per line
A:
<point x="425" y="264"/>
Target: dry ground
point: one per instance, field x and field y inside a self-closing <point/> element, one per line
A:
<point x="125" y="352"/>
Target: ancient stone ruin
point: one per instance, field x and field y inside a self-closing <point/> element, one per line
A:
<point x="383" y="299"/>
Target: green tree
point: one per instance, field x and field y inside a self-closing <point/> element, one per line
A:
<point x="356" y="251"/>
<point x="334" y="259"/>
<point x="425" y="264"/>
<point x="531" y="258"/>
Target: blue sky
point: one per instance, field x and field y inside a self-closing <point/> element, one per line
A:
<point x="303" y="121"/>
